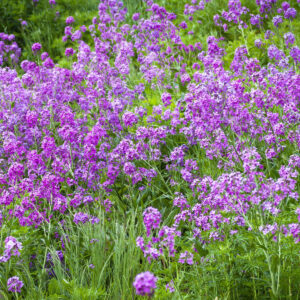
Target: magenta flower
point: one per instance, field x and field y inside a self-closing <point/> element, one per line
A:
<point x="136" y="17"/>
<point x="152" y="218"/>
<point x="166" y="98"/>
<point x="44" y="55"/>
<point x="14" y="284"/>
<point x="68" y="30"/>
<point x="145" y="284"/>
<point x="129" y="119"/>
<point x="36" y="47"/>
<point x="70" y="20"/>
<point x="183" y="25"/>
<point x="285" y="5"/>
<point x="48" y="63"/>
<point x="69" y="52"/>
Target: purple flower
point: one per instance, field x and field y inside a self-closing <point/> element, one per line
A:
<point x="12" y="248"/>
<point x="183" y="25"/>
<point x="275" y="53"/>
<point x="14" y="284"/>
<point x="290" y="13"/>
<point x="136" y="17"/>
<point x="129" y="168"/>
<point x="31" y="118"/>
<point x="129" y="119"/>
<point x="171" y="16"/>
<point x="166" y="98"/>
<point x="60" y="255"/>
<point x="145" y="284"/>
<point x="186" y="257"/>
<point x="16" y="171"/>
<point x="277" y="20"/>
<point x="81" y="217"/>
<point x="268" y="33"/>
<point x="285" y="5"/>
<point x="181" y="202"/>
<point x="152" y="218"/>
<point x="256" y="20"/>
<point x="295" y="54"/>
<point x="185" y="78"/>
<point x="289" y="39"/>
<point x="258" y="43"/>
<point x="48" y="63"/>
<point x="69" y="52"/>
<point x="216" y="19"/>
<point x="36" y="47"/>
<point x="11" y="37"/>
<point x="70" y="20"/>
<point x="170" y="287"/>
<point x="68" y="30"/>
<point x="44" y="55"/>
<point x="76" y="35"/>
<point x="52" y="2"/>
<point x="155" y="7"/>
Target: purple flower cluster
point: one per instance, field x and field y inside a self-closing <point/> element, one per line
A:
<point x="14" y="284"/>
<point x="145" y="284"/>
<point x="152" y="218"/>
<point x="81" y="217"/>
<point x="12" y="248"/>
<point x="70" y="20"/>
<point x="277" y="20"/>
<point x="9" y="49"/>
<point x="234" y="15"/>
<point x="69" y="52"/>
<point x="217" y="143"/>
<point x="186" y="257"/>
<point x="289" y="39"/>
<point x="36" y="47"/>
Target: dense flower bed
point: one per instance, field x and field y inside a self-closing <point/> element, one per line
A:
<point x="143" y="120"/>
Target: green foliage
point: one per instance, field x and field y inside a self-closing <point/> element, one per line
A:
<point x="45" y="22"/>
